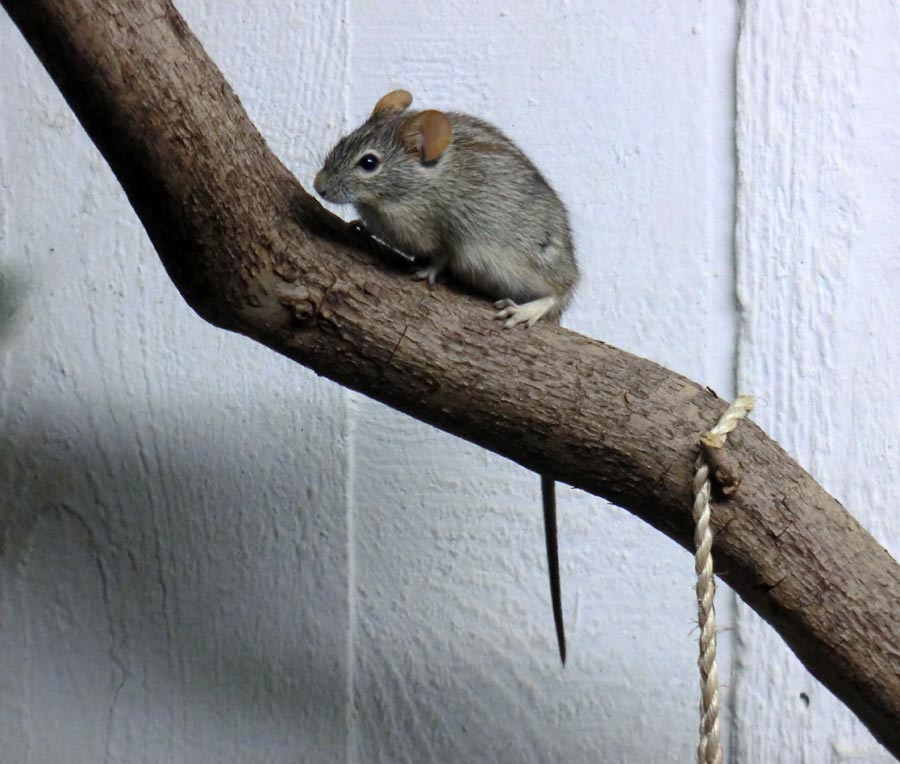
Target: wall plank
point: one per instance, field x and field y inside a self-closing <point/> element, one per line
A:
<point x="818" y="231"/>
<point x="173" y="579"/>
<point x="628" y="110"/>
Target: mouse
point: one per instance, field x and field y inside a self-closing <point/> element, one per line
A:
<point x="455" y="194"/>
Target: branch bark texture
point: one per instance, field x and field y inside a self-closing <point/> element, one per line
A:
<point x="252" y="252"/>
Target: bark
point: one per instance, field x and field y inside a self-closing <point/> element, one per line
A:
<point x="252" y="252"/>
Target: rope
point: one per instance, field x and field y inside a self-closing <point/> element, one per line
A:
<point x="709" y="750"/>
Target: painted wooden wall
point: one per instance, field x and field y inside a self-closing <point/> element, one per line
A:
<point x="817" y="246"/>
<point x="209" y="554"/>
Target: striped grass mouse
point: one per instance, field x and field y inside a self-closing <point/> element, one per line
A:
<point x="457" y="195"/>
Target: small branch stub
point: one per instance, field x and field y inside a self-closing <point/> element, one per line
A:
<point x="725" y="469"/>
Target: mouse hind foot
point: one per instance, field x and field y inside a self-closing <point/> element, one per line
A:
<point x="528" y="313"/>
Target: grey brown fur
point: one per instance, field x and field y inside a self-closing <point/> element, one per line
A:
<point x="481" y="212"/>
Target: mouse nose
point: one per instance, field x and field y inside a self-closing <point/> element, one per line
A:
<point x="319" y="183"/>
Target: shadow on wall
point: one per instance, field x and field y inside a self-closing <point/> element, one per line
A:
<point x="13" y="290"/>
<point x="213" y="602"/>
<point x="196" y="587"/>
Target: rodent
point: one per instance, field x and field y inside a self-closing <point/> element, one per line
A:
<point x="456" y="194"/>
<point x="462" y="199"/>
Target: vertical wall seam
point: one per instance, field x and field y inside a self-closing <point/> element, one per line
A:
<point x="734" y="727"/>
<point x="350" y="411"/>
<point x="737" y="252"/>
<point x="349" y="416"/>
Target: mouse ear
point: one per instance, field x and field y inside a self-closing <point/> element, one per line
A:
<point x="396" y="100"/>
<point x="427" y="134"/>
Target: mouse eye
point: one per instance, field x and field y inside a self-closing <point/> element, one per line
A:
<point x="368" y="162"/>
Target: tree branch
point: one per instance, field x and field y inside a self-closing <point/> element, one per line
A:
<point x="251" y="252"/>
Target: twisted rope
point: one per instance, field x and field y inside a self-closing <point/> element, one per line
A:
<point x="709" y="750"/>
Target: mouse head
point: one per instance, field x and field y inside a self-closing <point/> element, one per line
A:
<point x="394" y="153"/>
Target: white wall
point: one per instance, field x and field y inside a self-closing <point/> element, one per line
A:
<point x="818" y="254"/>
<point x="209" y="554"/>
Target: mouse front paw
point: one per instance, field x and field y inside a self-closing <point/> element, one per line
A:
<point x="429" y="273"/>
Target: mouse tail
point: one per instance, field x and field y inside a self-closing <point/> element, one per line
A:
<point x="548" y="498"/>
